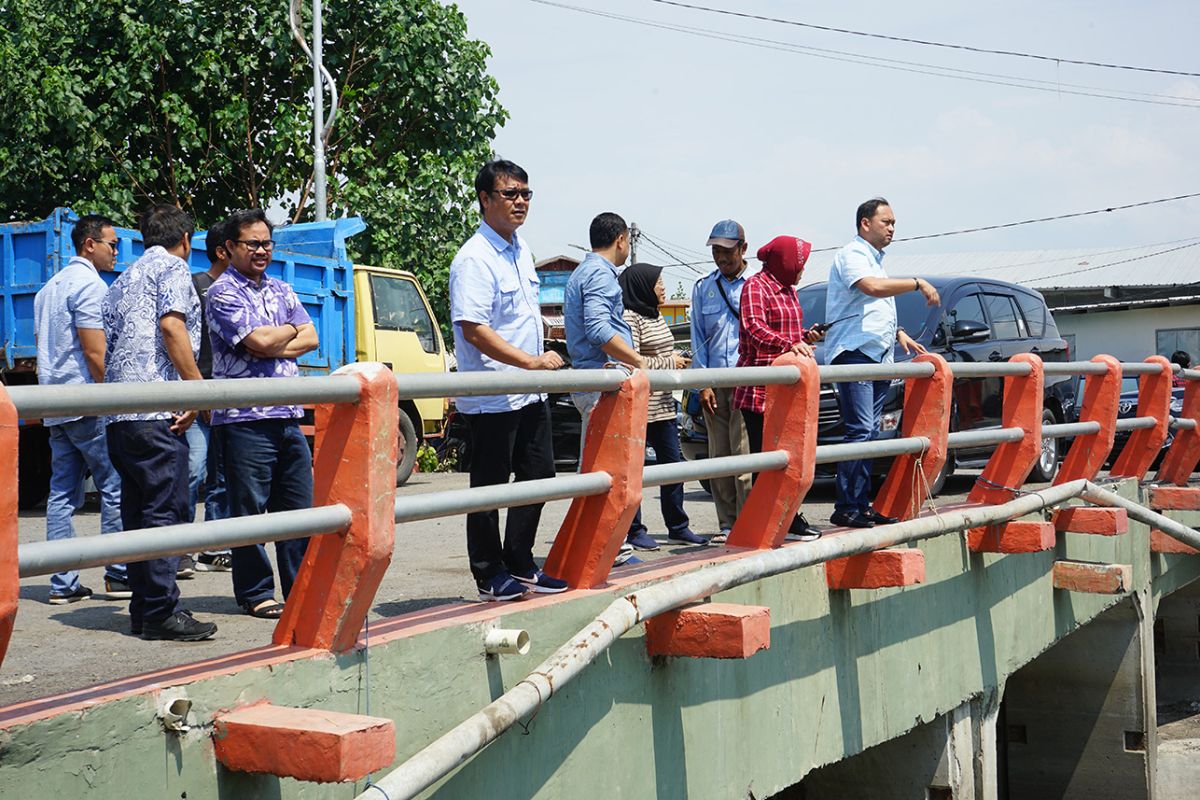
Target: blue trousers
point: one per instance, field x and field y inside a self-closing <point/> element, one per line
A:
<point x="663" y="436"/>
<point x="206" y="476"/>
<point x="861" y="405"/>
<point x="76" y="448"/>
<point x="152" y="462"/>
<point x="268" y="467"/>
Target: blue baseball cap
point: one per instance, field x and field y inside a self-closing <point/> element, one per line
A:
<point x="726" y="233"/>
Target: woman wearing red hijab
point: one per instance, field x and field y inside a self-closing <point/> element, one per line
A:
<point x="771" y="325"/>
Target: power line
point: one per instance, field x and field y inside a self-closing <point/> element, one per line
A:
<point x="926" y="42"/>
<point x="896" y="65"/>
<point x="1116" y="263"/>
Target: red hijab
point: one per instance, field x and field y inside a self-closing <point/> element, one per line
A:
<point x="783" y="257"/>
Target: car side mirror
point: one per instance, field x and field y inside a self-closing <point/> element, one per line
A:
<point x="966" y="330"/>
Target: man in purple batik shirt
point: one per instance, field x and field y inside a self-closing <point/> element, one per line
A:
<point x="258" y="329"/>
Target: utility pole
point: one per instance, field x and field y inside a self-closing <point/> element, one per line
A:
<point x="634" y="233"/>
<point x="318" y="118"/>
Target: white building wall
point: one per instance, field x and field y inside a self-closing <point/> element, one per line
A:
<point x="1129" y="335"/>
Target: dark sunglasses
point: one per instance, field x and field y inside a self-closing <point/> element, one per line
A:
<point x="112" y="244"/>
<point x="513" y="194"/>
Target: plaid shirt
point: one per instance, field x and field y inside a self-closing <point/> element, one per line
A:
<point x="772" y="321"/>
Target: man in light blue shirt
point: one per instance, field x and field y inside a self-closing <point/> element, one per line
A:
<point x="860" y="303"/>
<point x="70" y="347"/>
<point x="593" y="313"/>
<point x="715" y="318"/>
<point x="498" y="327"/>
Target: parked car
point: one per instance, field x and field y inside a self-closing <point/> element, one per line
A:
<point x="1127" y="409"/>
<point x="978" y="320"/>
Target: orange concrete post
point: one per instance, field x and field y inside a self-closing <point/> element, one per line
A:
<point x="790" y="424"/>
<point x="307" y="744"/>
<point x="1162" y="543"/>
<point x="1154" y="400"/>
<point x="1090" y="520"/>
<point x="927" y="403"/>
<point x="1092" y="578"/>
<point x="591" y="534"/>
<point x="1010" y="465"/>
<point x="1184" y="453"/>
<point x="1101" y="398"/>
<point x="710" y="630"/>
<point x="354" y="464"/>
<point x="9" y="581"/>
<point x="876" y="570"/>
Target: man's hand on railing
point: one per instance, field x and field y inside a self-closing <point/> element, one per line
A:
<point x="547" y="360"/>
<point x="909" y="344"/>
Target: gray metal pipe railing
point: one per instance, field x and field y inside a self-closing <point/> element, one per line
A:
<point x="707" y="468"/>
<point x="60" y="555"/>
<point x="1183" y="424"/>
<point x="466" y="739"/>
<point x="1139" y="368"/>
<point x="879" y="448"/>
<point x="845" y="373"/>
<point x="1066" y="429"/>
<point x="990" y="369"/>
<point x="34" y="402"/>
<point x="1136" y="423"/>
<point x="1073" y="368"/>
<point x="982" y="438"/>
<point x="412" y="508"/>
<point x="720" y="378"/>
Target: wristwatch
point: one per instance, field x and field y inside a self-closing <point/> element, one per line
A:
<point x="916" y="284"/>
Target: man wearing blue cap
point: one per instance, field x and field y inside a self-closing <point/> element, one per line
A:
<point x="716" y="313"/>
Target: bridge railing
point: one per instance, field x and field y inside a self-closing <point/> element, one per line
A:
<point x="356" y="507"/>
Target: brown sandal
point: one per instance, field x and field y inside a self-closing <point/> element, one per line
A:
<point x="265" y="609"/>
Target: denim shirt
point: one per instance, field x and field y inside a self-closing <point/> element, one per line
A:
<point x="493" y="283"/>
<point x="155" y="285"/>
<point x="714" y="326"/>
<point x="872" y="324"/>
<point x="235" y="307"/>
<point x="70" y="300"/>
<point x="593" y="312"/>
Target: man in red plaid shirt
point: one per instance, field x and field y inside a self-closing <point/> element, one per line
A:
<point x="772" y="324"/>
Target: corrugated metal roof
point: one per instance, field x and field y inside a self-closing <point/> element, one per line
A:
<point x="1164" y="264"/>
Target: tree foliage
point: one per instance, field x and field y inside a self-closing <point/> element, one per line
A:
<point x="107" y="106"/>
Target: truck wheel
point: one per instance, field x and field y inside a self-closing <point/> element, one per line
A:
<point x="33" y="466"/>
<point x="406" y="448"/>
<point x="1047" y="464"/>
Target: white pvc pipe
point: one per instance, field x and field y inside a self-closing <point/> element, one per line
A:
<point x="506" y="641"/>
<point x="436" y="760"/>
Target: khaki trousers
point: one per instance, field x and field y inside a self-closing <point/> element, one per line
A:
<point x="727" y="437"/>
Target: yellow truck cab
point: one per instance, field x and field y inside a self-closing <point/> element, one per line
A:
<point x="395" y="325"/>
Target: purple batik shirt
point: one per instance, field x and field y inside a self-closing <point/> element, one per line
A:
<point x="236" y="306"/>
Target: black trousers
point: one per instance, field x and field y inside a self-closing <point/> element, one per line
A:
<point x="505" y="444"/>
<point x="153" y="465"/>
<point x="754" y="434"/>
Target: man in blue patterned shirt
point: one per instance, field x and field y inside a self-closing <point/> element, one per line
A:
<point x="70" y="342"/>
<point x="152" y="323"/>
<point x="258" y="329"/>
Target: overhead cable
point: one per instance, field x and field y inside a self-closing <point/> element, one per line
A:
<point x="927" y="42"/>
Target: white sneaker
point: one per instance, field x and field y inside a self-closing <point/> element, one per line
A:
<point x="624" y="554"/>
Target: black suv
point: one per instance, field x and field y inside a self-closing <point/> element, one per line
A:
<point x="978" y="320"/>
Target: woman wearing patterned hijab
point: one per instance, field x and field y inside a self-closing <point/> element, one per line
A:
<point x="642" y="292"/>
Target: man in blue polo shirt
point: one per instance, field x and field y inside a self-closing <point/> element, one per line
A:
<point x="498" y="327"/>
<point x="716" y="318"/>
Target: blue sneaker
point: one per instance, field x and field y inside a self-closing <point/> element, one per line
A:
<point x="642" y="541"/>
<point x="500" y="587"/>
<point x="686" y="536"/>
<point x="542" y="583"/>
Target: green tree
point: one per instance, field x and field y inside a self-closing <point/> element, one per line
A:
<point x="108" y="106"/>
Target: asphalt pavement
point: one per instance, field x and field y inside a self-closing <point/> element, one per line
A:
<point x="62" y="648"/>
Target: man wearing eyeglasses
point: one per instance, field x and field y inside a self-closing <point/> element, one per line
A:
<point x="498" y="327"/>
<point x="70" y="345"/>
<point x="258" y="328"/>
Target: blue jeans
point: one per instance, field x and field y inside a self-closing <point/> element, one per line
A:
<point x="75" y="448"/>
<point x="206" y="478"/>
<point x="268" y="467"/>
<point x="152" y="462"/>
<point x="663" y="436"/>
<point x="861" y="405"/>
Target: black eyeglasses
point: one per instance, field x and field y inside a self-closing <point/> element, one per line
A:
<point x="254" y="244"/>
<point x="112" y="244"/>
<point x="513" y="194"/>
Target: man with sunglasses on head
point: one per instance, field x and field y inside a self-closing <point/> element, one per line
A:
<point x="497" y="327"/>
<point x="70" y="345"/>
<point x="258" y="328"/>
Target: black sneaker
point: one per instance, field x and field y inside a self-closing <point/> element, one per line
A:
<point x="186" y="568"/>
<point x="81" y="593"/>
<point x="179" y="627"/>
<point x="214" y="562"/>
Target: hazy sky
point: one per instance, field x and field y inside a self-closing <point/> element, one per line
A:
<point x="675" y="131"/>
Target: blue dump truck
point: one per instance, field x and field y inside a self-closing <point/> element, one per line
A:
<point x="390" y="321"/>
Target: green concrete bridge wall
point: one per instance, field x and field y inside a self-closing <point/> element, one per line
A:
<point x="845" y="671"/>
